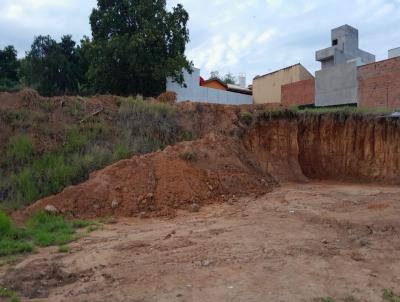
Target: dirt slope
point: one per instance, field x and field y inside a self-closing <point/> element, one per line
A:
<point x="213" y="169"/>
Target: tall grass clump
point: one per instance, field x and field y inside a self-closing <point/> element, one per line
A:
<point x="147" y="127"/>
<point x="20" y="149"/>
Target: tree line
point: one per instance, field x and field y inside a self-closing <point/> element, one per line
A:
<point x="135" y="46"/>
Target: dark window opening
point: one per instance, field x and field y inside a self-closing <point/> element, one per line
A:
<point x="335" y="42"/>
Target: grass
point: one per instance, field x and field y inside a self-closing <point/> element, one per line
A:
<point x="188" y="156"/>
<point x="6" y="293"/>
<point x="20" y="149"/>
<point x="64" y="249"/>
<point x="246" y="118"/>
<point x="389" y="295"/>
<point x="137" y="128"/>
<point x="42" y="230"/>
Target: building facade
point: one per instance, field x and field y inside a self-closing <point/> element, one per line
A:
<point x="379" y="84"/>
<point x="300" y="93"/>
<point x="193" y="91"/>
<point x="336" y="83"/>
<point x="268" y="88"/>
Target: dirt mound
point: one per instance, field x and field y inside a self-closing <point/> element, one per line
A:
<point x="213" y="169"/>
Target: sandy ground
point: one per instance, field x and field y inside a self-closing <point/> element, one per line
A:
<point x="299" y="243"/>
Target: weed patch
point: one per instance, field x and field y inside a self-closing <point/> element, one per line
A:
<point x="42" y="230"/>
<point x="389" y="295"/>
<point x="188" y="156"/>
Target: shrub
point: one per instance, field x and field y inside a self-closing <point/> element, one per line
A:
<point x="188" y="156"/>
<point x="20" y="149"/>
<point x="246" y="118"/>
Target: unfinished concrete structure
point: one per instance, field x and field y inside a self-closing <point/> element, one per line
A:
<point x="336" y="83"/>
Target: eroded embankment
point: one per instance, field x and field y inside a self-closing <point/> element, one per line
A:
<point x="211" y="170"/>
<point x="334" y="146"/>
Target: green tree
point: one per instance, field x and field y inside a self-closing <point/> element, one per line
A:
<point x="229" y="78"/>
<point x="136" y="45"/>
<point x="9" y="66"/>
<point x="54" y="68"/>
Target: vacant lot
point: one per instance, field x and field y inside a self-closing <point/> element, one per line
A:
<point x="303" y="242"/>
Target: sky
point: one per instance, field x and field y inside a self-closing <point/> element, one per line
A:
<point x="253" y="37"/>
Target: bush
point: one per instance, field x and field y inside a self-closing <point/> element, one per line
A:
<point x="246" y="118"/>
<point x="188" y="156"/>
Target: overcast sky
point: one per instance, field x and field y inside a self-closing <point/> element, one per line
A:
<point x="239" y="36"/>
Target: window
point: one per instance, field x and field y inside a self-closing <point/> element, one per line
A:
<point x="335" y="42"/>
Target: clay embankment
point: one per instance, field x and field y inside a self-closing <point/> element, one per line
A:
<point x="343" y="147"/>
<point x="219" y="168"/>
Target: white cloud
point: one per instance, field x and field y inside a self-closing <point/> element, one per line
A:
<point x="250" y="36"/>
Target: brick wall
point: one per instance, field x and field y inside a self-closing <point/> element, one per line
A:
<point x="298" y="93"/>
<point x="379" y="84"/>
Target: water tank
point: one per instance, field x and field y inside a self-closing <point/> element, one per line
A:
<point x="242" y="80"/>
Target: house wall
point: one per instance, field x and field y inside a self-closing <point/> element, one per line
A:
<point x="298" y="93"/>
<point x="337" y="85"/>
<point x="267" y="89"/>
<point x="214" y="85"/>
<point x="379" y="84"/>
<point x="196" y="93"/>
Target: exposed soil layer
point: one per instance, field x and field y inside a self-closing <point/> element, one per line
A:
<point x="215" y="169"/>
<point x="345" y="147"/>
<point x="299" y="243"/>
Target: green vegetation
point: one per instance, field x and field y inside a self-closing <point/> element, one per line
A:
<point x="338" y="112"/>
<point x="135" y="46"/>
<point x="246" y="118"/>
<point x="63" y="249"/>
<point x="20" y="149"/>
<point x="42" y="230"/>
<point x="27" y="174"/>
<point x="389" y="295"/>
<point x="6" y="293"/>
<point x="328" y="300"/>
<point x="188" y="156"/>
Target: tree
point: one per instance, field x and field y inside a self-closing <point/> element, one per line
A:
<point x="136" y="45"/>
<point x="229" y="78"/>
<point x="54" y="68"/>
<point x="9" y="66"/>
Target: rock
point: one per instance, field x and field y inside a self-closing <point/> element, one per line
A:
<point x="114" y="204"/>
<point x="194" y="208"/>
<point x="51" y="209"/>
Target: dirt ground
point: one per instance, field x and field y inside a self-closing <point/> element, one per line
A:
<point x="299" y="243"/>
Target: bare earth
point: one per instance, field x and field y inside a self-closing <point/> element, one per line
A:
<point x="299" y="243"/>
